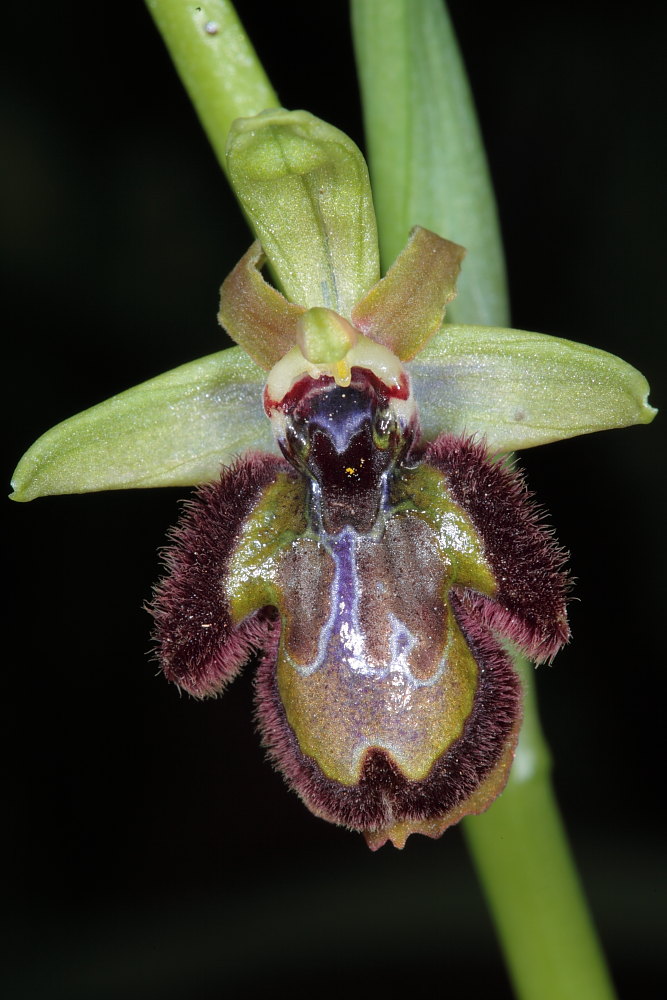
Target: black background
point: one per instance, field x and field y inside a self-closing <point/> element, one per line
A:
<point x="153" y="851"/>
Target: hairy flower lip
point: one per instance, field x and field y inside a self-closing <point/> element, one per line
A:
<point x="235" y="555"/>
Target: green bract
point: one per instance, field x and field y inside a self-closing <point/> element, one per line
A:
<point x="305" y="189"/>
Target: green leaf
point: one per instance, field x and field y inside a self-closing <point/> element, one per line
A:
<point x="174" y="430"/>
<point x="522" y="389"/>
<point x="425" y="150"/>
<point x="305" y="190"/>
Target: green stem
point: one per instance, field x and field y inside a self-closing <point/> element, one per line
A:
<point x="216" y="62"/>
<point x="428" y="167"/>
<point x="524" y="863"/>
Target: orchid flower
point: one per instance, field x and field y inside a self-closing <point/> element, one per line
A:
<point x="357" y="522"/>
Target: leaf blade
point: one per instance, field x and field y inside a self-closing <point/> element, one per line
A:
<point x="425" y="150"/>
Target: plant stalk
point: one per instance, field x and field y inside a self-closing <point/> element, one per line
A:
<point x="525" y="866"/>
<point x="216" y="62"/>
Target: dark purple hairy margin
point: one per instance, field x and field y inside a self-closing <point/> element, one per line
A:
<point x="197" y="645"/>
<point x="383" y="796"/>
<point x="529" y="607"/>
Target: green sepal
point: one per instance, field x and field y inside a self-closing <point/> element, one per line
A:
<point x="255" y="314"/>
<point x="304" y="187"/>
<point x="406" y="307"/>
<point x="521" y="389"/>
<point x="174" y="430"/>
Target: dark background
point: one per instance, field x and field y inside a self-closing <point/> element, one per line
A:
<point x="153" y="853"/>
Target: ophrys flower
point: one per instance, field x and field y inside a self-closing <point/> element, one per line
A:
<point x="380" y="563"/>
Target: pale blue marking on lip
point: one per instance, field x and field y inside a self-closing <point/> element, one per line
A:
<point x="340" y="414"/>
<point x="342" y="640"/>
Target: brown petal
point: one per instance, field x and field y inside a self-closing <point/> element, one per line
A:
<point x="255" y="314"/>
<point x="406" y="307"/>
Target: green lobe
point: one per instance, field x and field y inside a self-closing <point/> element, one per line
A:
<point x="304" y="187"/>
<point x="174" y="430"/>
<point x="522" y="389"/>
<point x="272" y="527"/>
<point x="423" y="491"/>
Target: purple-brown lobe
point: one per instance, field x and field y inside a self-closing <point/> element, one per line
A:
<point x="406" y="307"/>
<point x="198" y="647"/>
<point x="255" y="314"/>
<point x="529" y="607"/>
